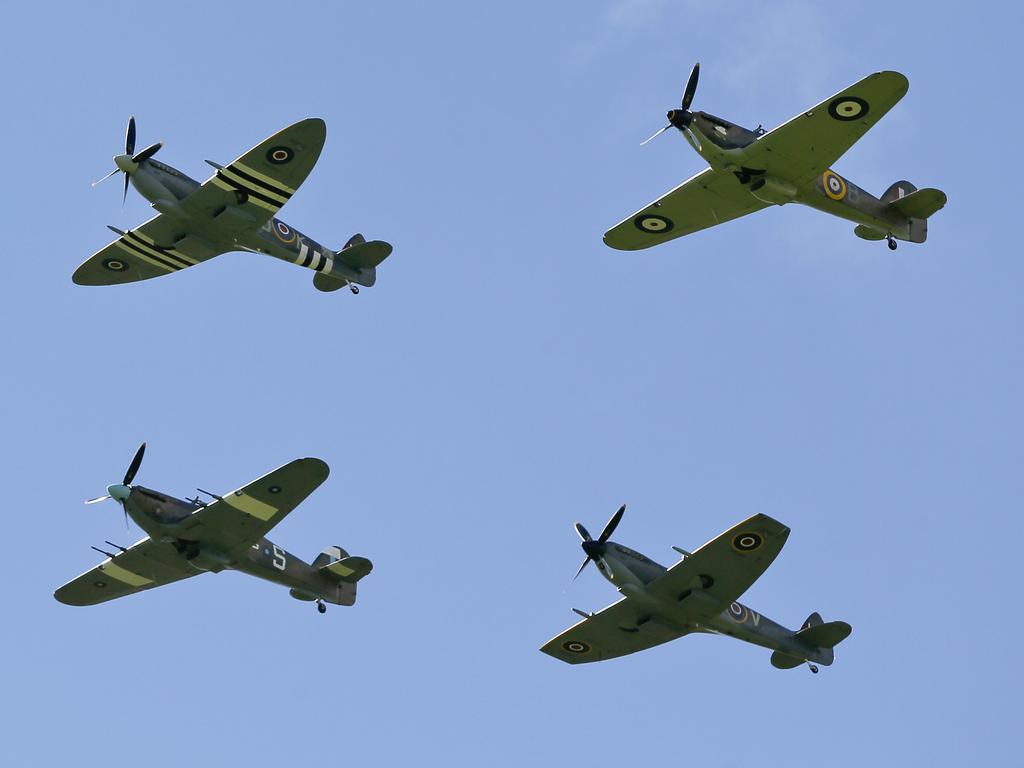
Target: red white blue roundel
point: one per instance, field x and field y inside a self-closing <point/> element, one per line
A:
<point x="283" y="232"/>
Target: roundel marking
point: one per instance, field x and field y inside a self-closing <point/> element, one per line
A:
<point x="100" y="584"/>
<point x="737" y="612"/>
<point x="280" y="155"/>
<point x="274" y="489"/>
<point x="847" y="108"/>
<point x="747" y="542"/>
<point x="575" y="646"/>
<point x="283" y="232"/>
<point x="833" y="184"/>
<point x="654" y="225"/>
<point x="115" y="265"/>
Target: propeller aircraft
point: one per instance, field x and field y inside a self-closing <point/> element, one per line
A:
<point x="697" y="594"/>
<point x="186" y="538"/>
<point x="753" y="169"/>
<point x="233" y="210"/>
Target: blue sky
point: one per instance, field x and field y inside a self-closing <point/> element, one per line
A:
<point x="508" y="375"/>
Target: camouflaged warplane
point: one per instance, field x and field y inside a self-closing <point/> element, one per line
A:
<point x="233" y="210"/>
<point x="186" y="538"/>
<point x="697" y="594"/>
<point x="751" y="170"/>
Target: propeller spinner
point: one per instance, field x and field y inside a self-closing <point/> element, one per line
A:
<point x="128" y="163"/>
<point x="595" y="548"/>
<point x="681" y="118"/>
<point x="120" y="491"/>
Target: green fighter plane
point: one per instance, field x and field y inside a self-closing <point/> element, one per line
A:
<point x="233" y="210"/>
<point x="751" y="170"/>
<point x="186" y="538"/>
<point x="697" y="594"/>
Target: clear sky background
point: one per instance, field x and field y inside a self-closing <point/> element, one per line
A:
<point x="508" y="375"/>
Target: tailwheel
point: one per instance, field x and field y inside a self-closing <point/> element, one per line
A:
<point x="323" y="608"/>
<point x="353" y="287"/>
<point x="891" y="241"/>
<point x="813" y="667"/>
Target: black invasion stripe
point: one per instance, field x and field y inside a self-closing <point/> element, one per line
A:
<point x="150" y="256"/>
<point x="260" y="182"/>
<point x="172" y="257"/>
<point x="307" y="259"/>
<point x="248" y="191"/>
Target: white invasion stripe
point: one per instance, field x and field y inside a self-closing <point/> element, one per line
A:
<point x="258" y="175"/>
<point x="147" y="259"/>
<point x="317" y="261"/>
<point x="123" y="574"/>
<point x="303" y="250"/>
<point x="249" y="505"/>
<point x="281" y="199"/>
<point x="328" y="264"/>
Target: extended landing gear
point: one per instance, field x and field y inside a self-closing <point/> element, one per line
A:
<point x="353" y="287"/>
<point x="891" y="241"/>
<point x="813" y="667"/>
<point x="323" y="609"/>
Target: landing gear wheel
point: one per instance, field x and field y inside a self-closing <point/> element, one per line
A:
<point x="892" y="242"/>
<point x="354" y="288"/>
<point x="323" y="608"/>
<point x="814" y="668"/>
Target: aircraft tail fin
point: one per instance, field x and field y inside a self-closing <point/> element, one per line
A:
<point x="360" y="254"/>
<point x="897" y="190"/>
<point x="328" y="556"/>
<point x="820" y="636"/>
<point x="919" y="204"/>
<point x="348" y="569"/>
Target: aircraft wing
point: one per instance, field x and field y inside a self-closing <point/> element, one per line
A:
<point x="709" y="198"/>
<point x="239" y="197"/>
<point x="158" y="247"/>
<point x="264" y="178"/>
<point x="242" y="517"/>
<point x="802" y="148"/>
<point x="620" y="629"/>
<point x="733" y="560"/>
<point x="146" y="564"/>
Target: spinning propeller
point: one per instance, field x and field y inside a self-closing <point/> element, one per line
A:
<point x="120" y="492"/>
<point x="681" y="118"/>
<point x="128" y="163"/>
<point x="595" y="549"/>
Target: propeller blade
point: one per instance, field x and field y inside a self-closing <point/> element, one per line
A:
<point x="656" y="135"/>
<point x="612" y="524"/>
<point x="147" y="153"/>
<point x="690" y="137"/>
<point x="106" y="177"/>
<point x="129" y="137"/>
<point x="98" y="499"/>
<point x="691" y="86"/>
<point x="134" y="466"/>
<point x="124" y="195"/>
<point x="581" y="569"/>
<point x="125" y="508"/>
<point x="582" y="532"/>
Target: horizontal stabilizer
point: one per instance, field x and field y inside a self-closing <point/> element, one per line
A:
<point x="782" y="660"/>
<point x="349" y="569"/>
<point x="328" y="283"/>
<point x="827" y="635"/>
<point x="865" y="232"/>
<point x="920" y="204"/>
<point x="365" y="255"/>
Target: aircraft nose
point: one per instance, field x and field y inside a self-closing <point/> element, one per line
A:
<point x="125" y="163"/>
<point x="119" y="492"/>
<point x="594" y="549"/>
